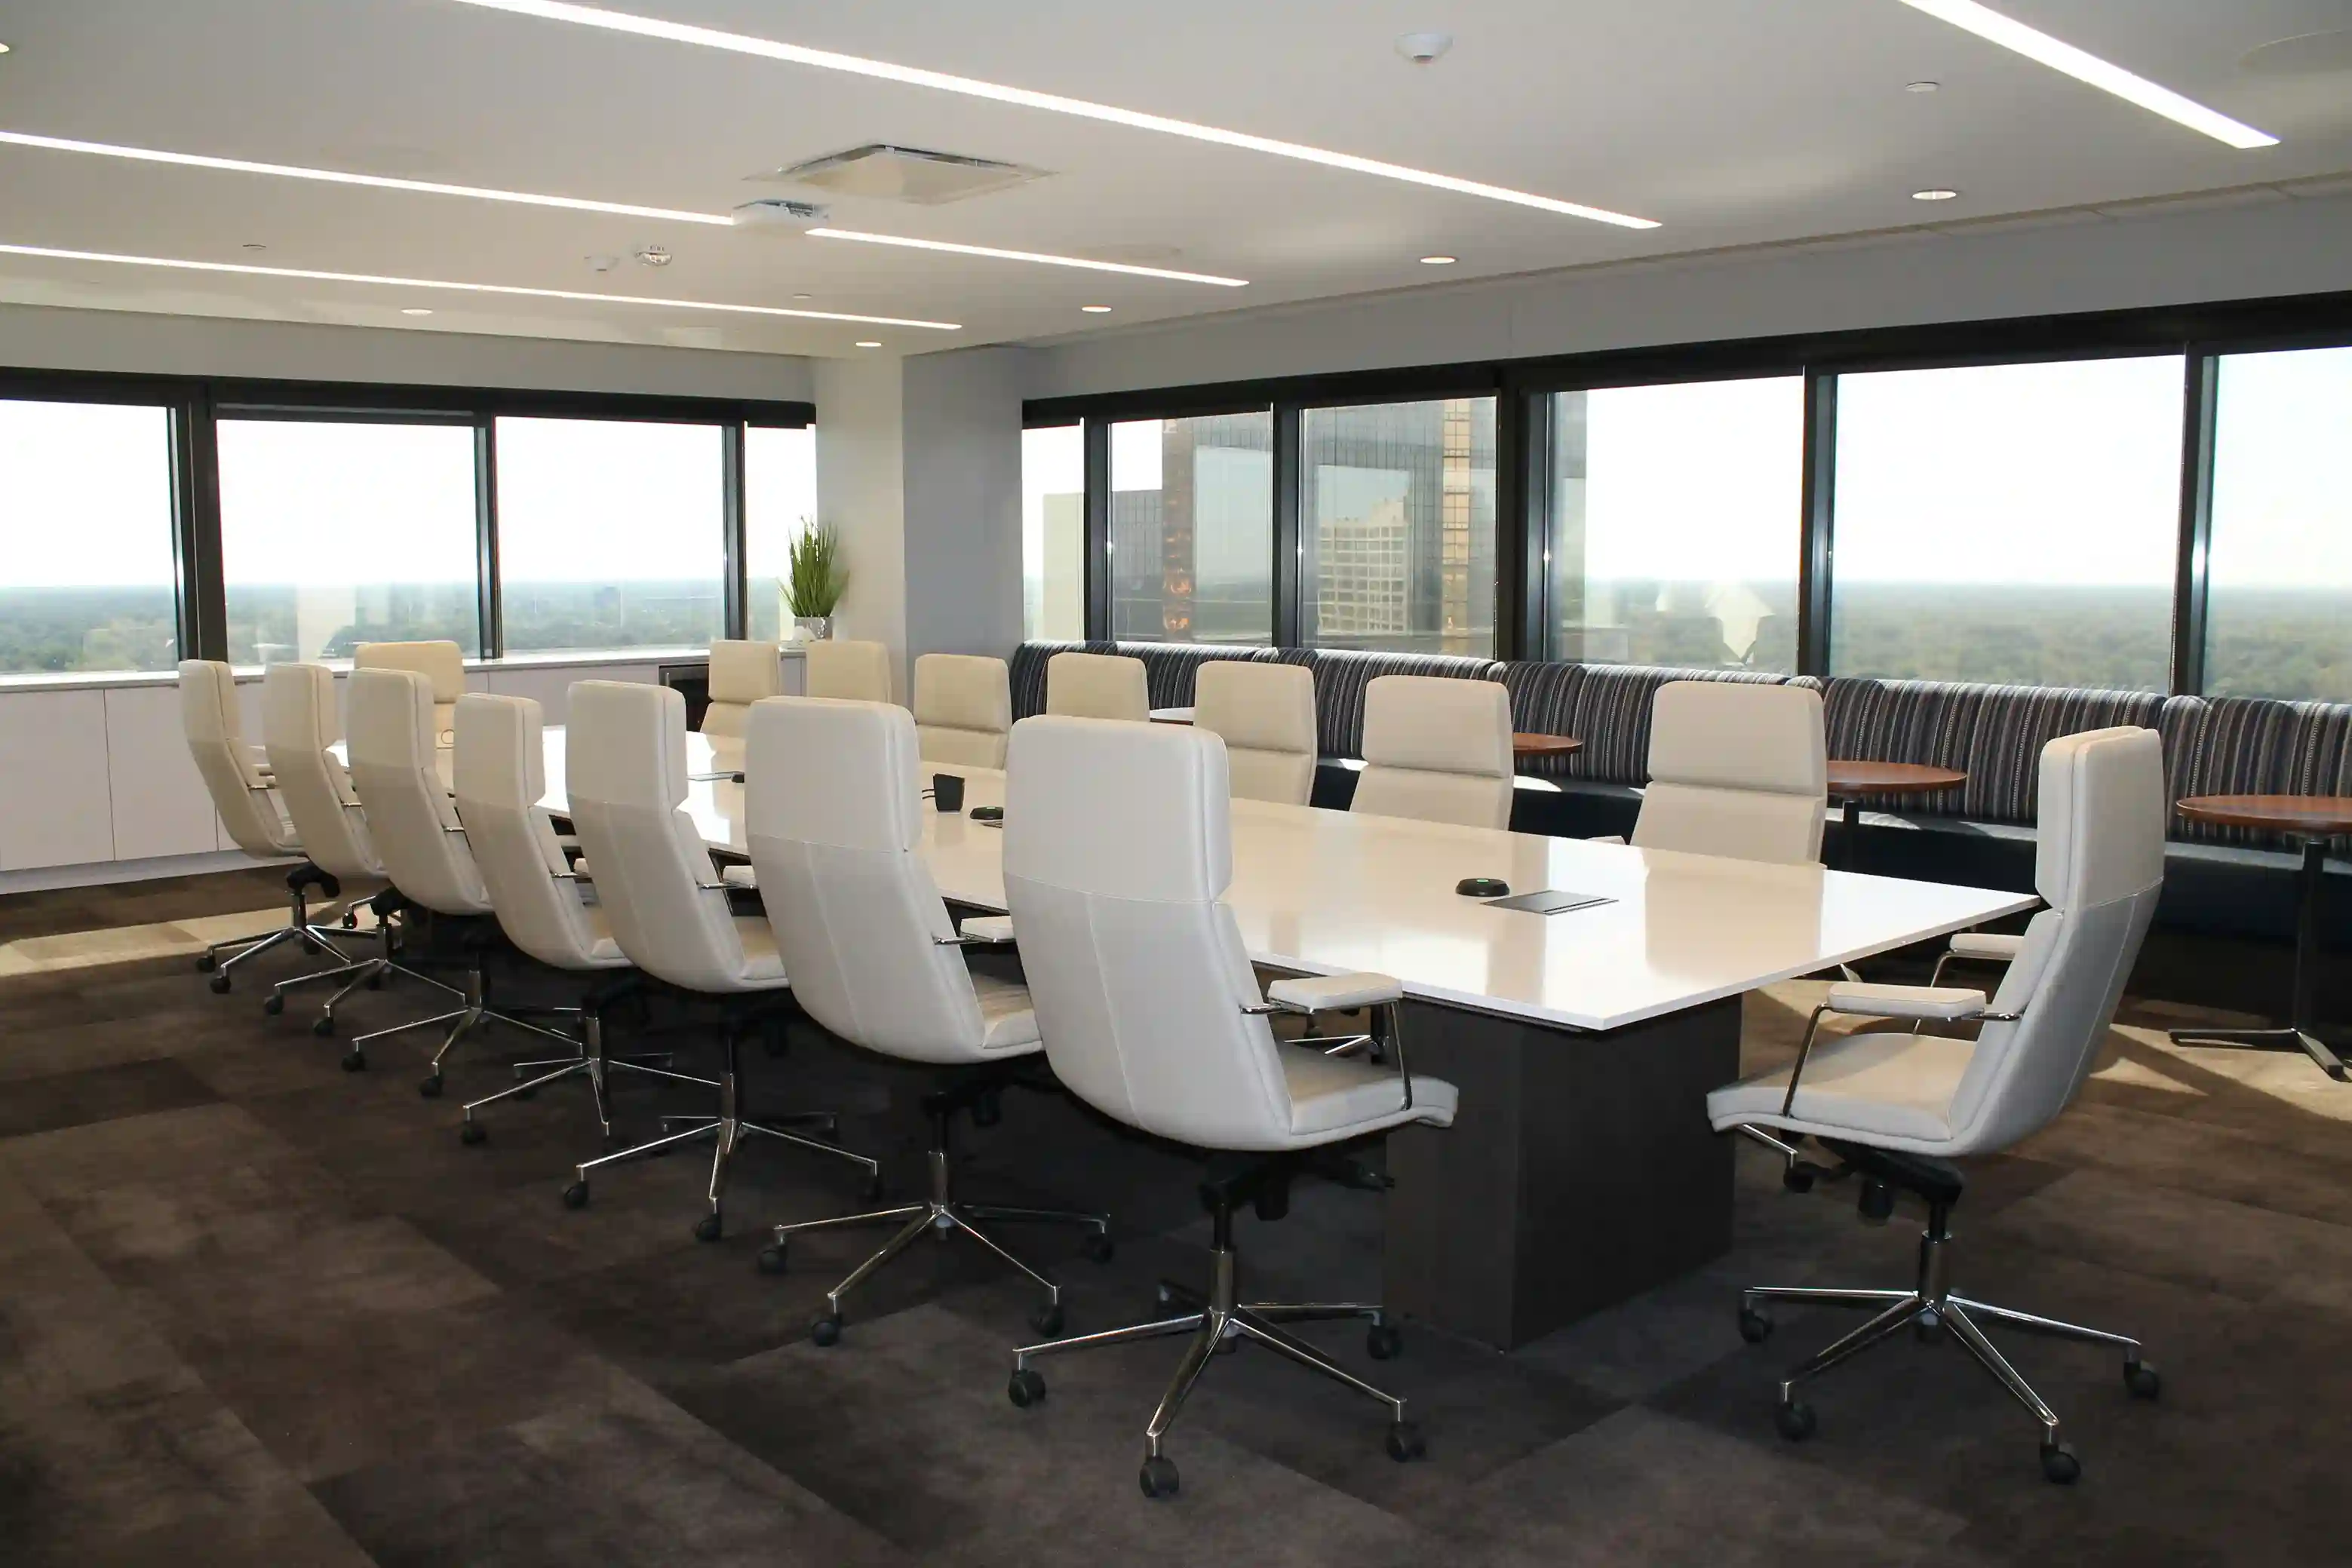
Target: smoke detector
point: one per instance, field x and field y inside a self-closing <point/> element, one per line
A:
<point x="654" y="255"/>
<point x="1421" y="48"/>
<point x="778" y="213"/>
<point x="904" y="174"/>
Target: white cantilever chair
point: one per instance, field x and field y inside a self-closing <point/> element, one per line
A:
<point x="1265" y="716"/>
<point x="501" y="774"/>
<point x="1116" y="855"/>
<point x="1097" y="686"/>
<point x="413" y="824"/>
<point x="1737" y="771"/>
<point x="741" y="674"/>
<point x="851" y="671"/>
<point x="626" y="779"/>
<point x="441" y="662"/>
<point x="836" y="833"/>
<point x="1898" y="1107"/>
<point x="963" y="709"/>
<point x="1436" y="749"/>
<point x="238" y="778"/>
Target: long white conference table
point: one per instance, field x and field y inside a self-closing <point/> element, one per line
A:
<point x="1581" y="1169"/>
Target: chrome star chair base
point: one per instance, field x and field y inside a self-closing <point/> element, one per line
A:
<point x="473" y="1013"/>
<point x="942" y="1216"/>
<point x="368" y="973"/>
<point x="591" y="1060"/>
<point x="317" y="934"/>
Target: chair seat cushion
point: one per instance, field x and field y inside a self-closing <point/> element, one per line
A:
<point x="1860" y="1086"/>
<point x="763" y="965"/>
<point x="1012" y="1027"/>
<point x="1333" y="1097"/>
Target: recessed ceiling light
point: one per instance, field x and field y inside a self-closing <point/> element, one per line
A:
<point x="654" y="255"/>
<point x="2084" y="66"/>
<point x="1934" y="194"/>
<point x="1423" y="48"/>
<point x="868" y="343"/>
<point x="1053" y="103"/>
<point x="3" y="48"/>
<point x="414" y="311"/>
<point x="1439" y="260"/>
<point x="1096" y="309"/>
<point x="309" y="275"/>
<point x="1038" y="256"/>
<point x="1922" y="85"/>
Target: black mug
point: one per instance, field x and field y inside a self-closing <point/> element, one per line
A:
<point x="947" y="791"/>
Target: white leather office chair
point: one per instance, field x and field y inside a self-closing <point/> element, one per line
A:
<point x="396" y="767"/>
<point x="1436" y="749"/>
<point x="441" y="662"/>
<point x="851" y="671"/>
<point x="1737" y="771"/>
<point x="741" y="674"/>
<point x="1116" y="855"/>
<point x="1265" y="716"/>
<point x="1898" y="1107"/>
<point x="237" y="776"/>
<point x="1097" y="686"/>
<point x="501" y="774"/>
<point x="963" y="709"/>
<point x="624" y="774"/>
<point x="837" y="831"/>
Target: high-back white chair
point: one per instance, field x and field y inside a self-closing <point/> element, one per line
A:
<point x="742" y="674"/>
<point x="1735" y="770"/>
<point x="849" y="670"/>
<point x="1898" y="1107"/>
<point x="441" y="662"/>
<point x="1097" y="686"/>
<point x="1265" y="716"/>
<point x="1118" y="851"/>
<point x="836" y="833"/>
<point x="625" y="783"/>
<point x="1436" y="749"/>
<point x="963" y="709"/>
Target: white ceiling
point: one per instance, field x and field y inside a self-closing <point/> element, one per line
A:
<point x="1730" y="122"/>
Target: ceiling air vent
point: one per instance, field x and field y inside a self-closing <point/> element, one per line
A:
<point x="904" y="174"/>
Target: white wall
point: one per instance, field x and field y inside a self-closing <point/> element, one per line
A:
<point x="861" y="491"/>
<point x="963" y="425"/>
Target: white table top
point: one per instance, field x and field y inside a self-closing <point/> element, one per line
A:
<point x="1326" y="892"/>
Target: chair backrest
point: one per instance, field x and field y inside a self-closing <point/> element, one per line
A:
<point x="835" y="823"/>
<point x="500" y="772"/>
<point x="1436" y="749"/>
<point x="853" y="671"/>
<point x="625" y="777"/>
<point x="1735" y="770"/>
<point x="1265" y="716"/>
<point x="1117" y="854"/>
<point x="297" y="724"/>
<point x="1097" y="686"/>
<point x="2099" y="866"/>
<point x="963" y="709"/>
<point x="396" y="769"/>
<point x="232" y="773"/>
<point x="441" y="663"/>
<point x="741" y="674"/>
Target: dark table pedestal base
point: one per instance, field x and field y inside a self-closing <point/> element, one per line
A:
<point x="2308" y="1042"/>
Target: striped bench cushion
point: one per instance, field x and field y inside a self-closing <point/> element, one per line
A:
<point x="1169" y="668"/>
<point x="1606" y="707"/>
<point x="1029" y="662"/>
<point x="2227" y="745"/>
<point x="1341" y="675"/>
<point x="1932" y="722"/>
<point x="2014" y="723"/>
<point x="1543" y="702"/>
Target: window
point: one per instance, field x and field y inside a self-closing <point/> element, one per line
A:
<point x="611" y="534"/>
<point x="2008" y="523"/>
<point x="2278" y="616"/>
<point x="1054" y="533"/>
<point x="1675" y="518"/>
<point x="779" y="504"/>
<point x="333" y="535"/>
<point x="87" y="569"/>
<point x="1397" y="519"/>
<point x="1192" y="530"/>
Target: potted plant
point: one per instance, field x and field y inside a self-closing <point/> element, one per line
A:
<point x="814" y="588"/>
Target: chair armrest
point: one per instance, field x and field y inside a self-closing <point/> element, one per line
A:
<point x="1946" y="1003"/>
<point x="989" y="927"/>
<point x="1334" y="993"/>
<point x="1986" y="946"/>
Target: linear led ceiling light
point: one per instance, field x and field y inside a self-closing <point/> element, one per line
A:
<point x="1209" y="277"/>
<point x="2084" y="66"/>
<point x="1053" y="103"/>
<point x="246" y="269"/>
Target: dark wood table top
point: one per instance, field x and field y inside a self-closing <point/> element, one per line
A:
<point x="1857" y="777"/>
<point x="2315" y="816"/>
<point x="1526" y="743"/>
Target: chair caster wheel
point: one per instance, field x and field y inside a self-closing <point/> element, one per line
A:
<point x="1797" y="1179"/>
<point x="431" y="1087"/>
<point x="1228" y="1345"/>
<point x="1928" y="1328"/>
<point x="1405" y="1441"/>
<point x="826" y="1330"/>
<point x="220" y="985"/>
<point x="208" y="964"/>
<point x="1025" y="1389"/>
<point x="576" y="1196"/>
<point x="772" y="1258"/>
<point x="472" y="1133"/>
<point x="355" y="1062"/>
<point x="351" y="921"/>
<point x="1876" y="1202"/>
<point x="1795" y="1420"/>
<point x="2142" y="1380"/>
<point x="2059" y="1464"/>
<point x="1157" y="1479"/>
<point x="1384" y="1342"/>
<point x="710" y="1228"/>
<point x="1047" y="1320"/>
<point x="323" y="1027"/>
<point x="273" y="1004"/>
<point x="1096" y="1247"/>
<point x="374" y="982"/>
<point x="1755" y="1327"/>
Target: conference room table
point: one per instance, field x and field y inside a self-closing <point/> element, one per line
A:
<point x="1581" y="1169"/>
